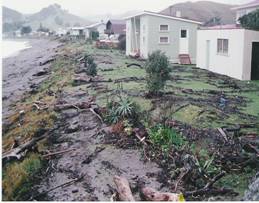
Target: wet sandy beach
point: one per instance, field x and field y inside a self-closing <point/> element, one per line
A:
<point x="18" y="70"/>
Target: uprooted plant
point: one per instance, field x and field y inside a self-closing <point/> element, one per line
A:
<point x="157" y="69"/>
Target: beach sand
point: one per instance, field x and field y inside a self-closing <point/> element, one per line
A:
<point x="18" y="71"/>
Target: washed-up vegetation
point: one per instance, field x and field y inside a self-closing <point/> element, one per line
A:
<point x="179" y="126"/>
<point x="34" y="116"/>
<point x="193" y="99"/>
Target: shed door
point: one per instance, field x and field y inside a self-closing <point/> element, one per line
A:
<point x="184" y="42"/>
<point x="255" y="61"/>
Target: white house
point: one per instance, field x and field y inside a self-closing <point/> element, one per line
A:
<point x="245" y="9"/>
<point x="96" y="27"/>
<point x="230" y="50"/>
<point x="61" y="32"/>
<point x="149" y="31"/>
<point x="77" y="32"/>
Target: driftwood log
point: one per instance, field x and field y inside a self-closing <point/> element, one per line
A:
<point x="146" y="193"/>
<point x="150" y="194"/>
<point x="134" y="64"/>
<point x="19" y="152"/>
<point x="123" y="189"/>
<point x="47" y="61"/>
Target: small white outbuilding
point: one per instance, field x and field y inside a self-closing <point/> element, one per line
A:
<point x="231" y="51"/>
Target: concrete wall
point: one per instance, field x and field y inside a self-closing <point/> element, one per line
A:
<point x="172" y="48"/>
<point x="230" y="64"/>
<point x="250" y="37"/>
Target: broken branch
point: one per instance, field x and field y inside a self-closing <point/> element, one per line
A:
<point x="123" y="189"/>
<point x="150" y="194"/>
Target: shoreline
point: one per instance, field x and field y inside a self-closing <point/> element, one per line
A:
<point x="23" y="45"/>
<point x="18" y="71"/>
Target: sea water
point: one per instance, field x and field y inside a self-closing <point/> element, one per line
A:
<point x="12" y="48"/>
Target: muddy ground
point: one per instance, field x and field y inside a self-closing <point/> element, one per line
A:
<point x="93" y="155"/>
<point x="97" y="161"/>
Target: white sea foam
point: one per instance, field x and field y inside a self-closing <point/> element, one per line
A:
<point x="12" y="48"/>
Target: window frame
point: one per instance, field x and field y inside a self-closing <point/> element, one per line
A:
<point x="222" y="47"/>
<point x="187" y="33"/>
<point x="168" y="28"/>
<point x="159" y="40"/>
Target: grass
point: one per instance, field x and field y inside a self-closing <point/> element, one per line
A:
<point x="252" y="107"/>
<point x="17" y="177"/>
<point x="238" y="181"/>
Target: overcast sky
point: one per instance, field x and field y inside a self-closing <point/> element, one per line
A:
<point x="97" y="7"/>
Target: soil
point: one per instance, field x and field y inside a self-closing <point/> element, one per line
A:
<point x="97" y="161"/>
<point x="97" y="155"/>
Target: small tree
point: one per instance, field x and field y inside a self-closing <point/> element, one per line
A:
<point x="122" y="42"/>
<point x="157" y="69"/>
<point x="90" y="66"/>
<point x="94" y="35"/>
<point x="26" y="30"/>
<point x="42" y="29"/>
<point x="250" y="20"/>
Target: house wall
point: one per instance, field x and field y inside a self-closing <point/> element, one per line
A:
<point x="144" y="34"/>
<point x="128" y="36"/>
<point x="74" y="32"/>
<point x="230" y="64"/>
<point x="133" y="33"/>
<point x="249" y="38"/>
<point x="87" y="33"/>
<point x="101" y="28"/>
<point x="172" y="48"/>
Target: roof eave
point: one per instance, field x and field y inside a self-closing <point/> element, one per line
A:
<point x="247" y="6"/>
<point x="164" y="16"/>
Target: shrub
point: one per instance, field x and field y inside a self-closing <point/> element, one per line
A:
<point x="94" y="35"/>
<point x="90" y="66"/>
<point x="250" y="20"/>
<point x="166" y="137"/>
<point x="26" y="30"/>
<point x="122" y="42"/>
<point x="157" y="69"/>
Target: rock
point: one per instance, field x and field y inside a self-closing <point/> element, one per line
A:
<point x="252" y="194"/>
<point x="73" y="127"/>
<point x="40" y="73"/>
<point x="75" y="190"/>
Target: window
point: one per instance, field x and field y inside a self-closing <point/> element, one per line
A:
<point x="164" y="28"/>
<point x="164" y="40"/>
<point x="144" y="40"/>
<point x="222" y="47"/>
<point x="183" y="33"/>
